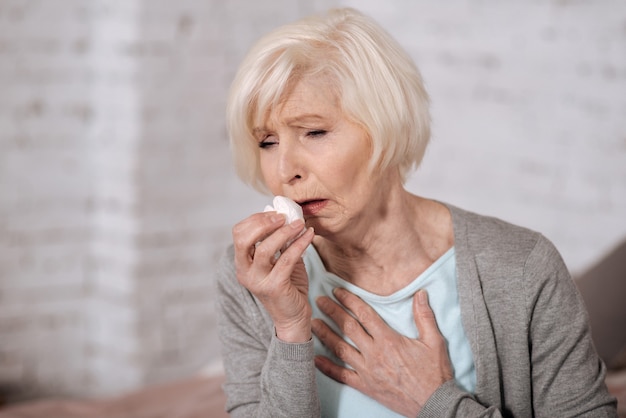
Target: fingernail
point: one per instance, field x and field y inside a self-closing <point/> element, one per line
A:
<point x="422" y="297"/>
<point x="315" y="325"/>
<point x="321" y="301"/>
<point x="338" y="292"/>
<point x="277" y="218"/>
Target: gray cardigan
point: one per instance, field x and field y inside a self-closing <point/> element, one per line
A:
<point x="523" y="316"/>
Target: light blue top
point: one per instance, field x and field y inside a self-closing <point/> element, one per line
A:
<point x="440" y="281"/>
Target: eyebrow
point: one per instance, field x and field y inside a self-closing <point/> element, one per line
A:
<point x="258" y="132"/>
<point x="290" y="121"/>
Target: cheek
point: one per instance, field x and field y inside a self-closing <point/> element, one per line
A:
<point x="265" y="164"/>
<point x="268" y="174"/>
<point x="353" y="166"/>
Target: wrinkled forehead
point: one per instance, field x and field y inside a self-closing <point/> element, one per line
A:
<point x="272" y="98"/>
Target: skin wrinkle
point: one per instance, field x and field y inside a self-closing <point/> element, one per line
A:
<point x="349" y="179"/>
<point x="365" y="224"/>
<point x="361" y="243"/>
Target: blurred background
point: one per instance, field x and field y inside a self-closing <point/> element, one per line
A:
<point x="117" y="194"/>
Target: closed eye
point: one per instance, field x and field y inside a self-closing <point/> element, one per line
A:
<point x="318" y="132"/>
<point x="267" y="142"/>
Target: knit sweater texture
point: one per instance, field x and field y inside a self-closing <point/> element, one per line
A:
<point x="522" y="314"/>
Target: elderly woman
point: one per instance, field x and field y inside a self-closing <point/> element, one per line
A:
<point x="382" y="303"/>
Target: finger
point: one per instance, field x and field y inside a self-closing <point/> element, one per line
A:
<point x="287" y="233"/>
<point x="265" y="253"/>
<point x="348" y="324"/>
<point x="366" y="315"/>
<point x="247" y="233"/>
<point x="336" y="372"/>
<point x="425" y="318"/>
<point x="293" y="254"/>
<point x="337" y="345"/>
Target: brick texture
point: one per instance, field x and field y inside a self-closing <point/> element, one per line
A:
<point x="117" y="195"/>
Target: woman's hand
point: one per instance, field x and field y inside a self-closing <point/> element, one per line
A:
<point x="281" y="284"/>
<point x="399" y="372"/>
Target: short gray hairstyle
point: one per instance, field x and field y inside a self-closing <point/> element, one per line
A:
<point x="377" y="83"/>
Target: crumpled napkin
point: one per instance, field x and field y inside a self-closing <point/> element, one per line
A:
<point x="287" y="207"/>
<point x="292" y="212"/>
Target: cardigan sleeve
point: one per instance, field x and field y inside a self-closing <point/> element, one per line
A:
<point x="567" y="374"/>
<point x="449" y="400"/>
<point x="265" y="377"/>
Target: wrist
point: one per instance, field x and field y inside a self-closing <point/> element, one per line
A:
<point x="293" y="334"/>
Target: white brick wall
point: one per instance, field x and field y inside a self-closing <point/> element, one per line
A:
<point x="44" y="193"/>
<point x="116" y="190"/>
<point x="112" y="348"/>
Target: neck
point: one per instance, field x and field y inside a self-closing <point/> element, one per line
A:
<point x="391" y="246"/>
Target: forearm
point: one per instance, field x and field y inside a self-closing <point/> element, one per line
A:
<point x="286" y="386"/>
<point x="264" y="376"/>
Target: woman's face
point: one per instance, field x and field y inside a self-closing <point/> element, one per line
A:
<point x="311" y="153"/>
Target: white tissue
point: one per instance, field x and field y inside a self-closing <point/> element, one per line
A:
<point x="292" y="212"/>
<point x="287" y="207"/>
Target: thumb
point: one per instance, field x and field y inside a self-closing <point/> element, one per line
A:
<point x="424" y="317"/>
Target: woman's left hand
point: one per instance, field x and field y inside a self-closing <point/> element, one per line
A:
<point x="399" y="372"/>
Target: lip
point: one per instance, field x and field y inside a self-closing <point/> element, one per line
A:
<point x="312" y="207"/>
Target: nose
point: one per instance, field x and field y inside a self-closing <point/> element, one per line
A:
<point x="290" y="161"/>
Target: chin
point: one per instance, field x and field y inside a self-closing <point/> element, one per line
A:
<point x="323" y="228"/>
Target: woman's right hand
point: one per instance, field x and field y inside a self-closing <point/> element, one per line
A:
<point x="281" y="284"/>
